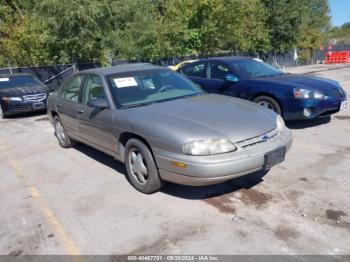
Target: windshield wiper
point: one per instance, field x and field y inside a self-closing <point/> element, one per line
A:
<point x="192" y="95"/>
<point x="138" y="104"/>
<point x="265" y="76"/>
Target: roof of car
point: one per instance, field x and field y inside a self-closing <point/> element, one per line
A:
<point x="121" y="68"/>
<point x="14" y="74"/>
<point x="229" y="58"/>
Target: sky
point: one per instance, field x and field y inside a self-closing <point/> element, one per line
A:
<point x="340" y="11"/>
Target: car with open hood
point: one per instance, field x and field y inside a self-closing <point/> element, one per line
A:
<point x="165" y="128"/>
<point x="293" y="96"/>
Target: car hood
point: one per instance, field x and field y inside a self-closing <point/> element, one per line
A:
<point x="24" y="90"/>
<point x="302" y="81"/>
<point x="208" y="116"/>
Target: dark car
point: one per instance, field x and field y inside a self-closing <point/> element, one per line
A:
<point x="291" y="95"/>
<point x="165" y="128"/>
<point x="21" y="93"/>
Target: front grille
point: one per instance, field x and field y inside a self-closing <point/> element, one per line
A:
<point x="19" y="108"/>
<point x="35" y="98"/>
<point x="258" y="139"/>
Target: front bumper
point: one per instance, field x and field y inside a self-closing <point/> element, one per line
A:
<point x="205" y="170"/>
<point x="294" y="108"/>
<point x="16" y="107"/>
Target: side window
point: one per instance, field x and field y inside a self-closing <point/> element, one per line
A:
<point x="93" y="89"/>
<point x="198" y="70"/>
<point x="71" y="89"/>
<point x="218" y="71"/>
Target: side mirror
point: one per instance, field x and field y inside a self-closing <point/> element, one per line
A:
<point x="99" y="103"/>
<point x="231" y="78"/>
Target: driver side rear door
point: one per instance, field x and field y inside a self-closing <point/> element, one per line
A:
<point x="66" y="105"/>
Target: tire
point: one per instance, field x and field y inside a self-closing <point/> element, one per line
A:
<point x="269" y="103"/>
<point x="63" y="139"/>
<point x="2" y="113"/>
<point x="141" y="168"/>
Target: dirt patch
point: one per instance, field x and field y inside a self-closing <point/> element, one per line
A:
<point x="166" y="241"/>
<point x="286" y="233"/>
<point x="254" y="197"/>
<point x="334" y="218"/>
<point x="294" y="195"/>
<point x="335" y="214"/>
<point x="282" y="167"/>
<point x="333" y="158"/>
<point x="222" y="203"/>
<point x="342" y="117"/>
<point x="45" y="118"/>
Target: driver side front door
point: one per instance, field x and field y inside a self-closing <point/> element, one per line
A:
<point x="217" y="80"/>
<point x="95" y="124"/>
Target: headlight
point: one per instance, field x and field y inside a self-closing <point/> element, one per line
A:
<point x="280" y="123"/>
<point x="12" y="98"/>
<point x="308" y="94"/>
<point x="318" y="95"/>
<point x="208" y="147"/>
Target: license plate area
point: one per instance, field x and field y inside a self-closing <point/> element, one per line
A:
<point x="274" y="157"/>
<point x="343" y="105"/>
<point x="40" y="105"/>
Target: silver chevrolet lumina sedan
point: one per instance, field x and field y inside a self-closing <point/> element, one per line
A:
<point x="164" y="128"/>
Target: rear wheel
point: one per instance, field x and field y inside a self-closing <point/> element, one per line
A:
<point x="63" y="139"/>
<point x="269" y="103"/>
<point x="141" y="169"/>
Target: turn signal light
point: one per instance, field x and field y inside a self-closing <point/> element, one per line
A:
<point x="178" y="164"/>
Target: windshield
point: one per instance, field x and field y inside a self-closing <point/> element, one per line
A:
<point x="17" y="81"/>
<point x="149" y="86"/>
<point x="252" y="69"/>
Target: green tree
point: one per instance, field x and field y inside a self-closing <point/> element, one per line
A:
<point x="62" y="31"/>
<point x="315" y="28"/>
<point x="136" y="38"/>
<point x="243" y="26"/>
<point x="341" y="35"/>
<point x="96" y="30"/>
<point x="22" y="38"/>
<point x="204" y="27"/>
<point x="284" y="22"/>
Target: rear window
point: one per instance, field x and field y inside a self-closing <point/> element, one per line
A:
<point x="16" y="81"/>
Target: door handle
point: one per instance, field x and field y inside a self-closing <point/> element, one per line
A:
<point x="80" y="110"/>
<point x="58" y="105"/>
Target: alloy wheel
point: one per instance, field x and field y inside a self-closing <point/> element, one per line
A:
<point x="61" y="135"/>
<point x="267" y="105"/>
<point x="138" y="167"/>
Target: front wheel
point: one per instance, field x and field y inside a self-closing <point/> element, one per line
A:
<point x="269" y="103"/>
<point x="63" y="139"/>
<point x="142" y="171"/>
<point x="2" y="113"/>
